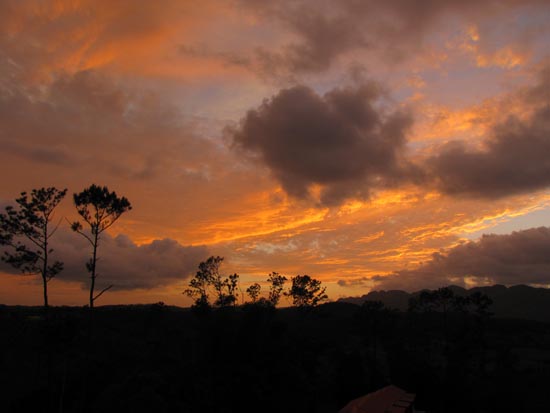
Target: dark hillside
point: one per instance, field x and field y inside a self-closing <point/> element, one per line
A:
<point x="519" y="301"/>
<point x="167" y="359"/>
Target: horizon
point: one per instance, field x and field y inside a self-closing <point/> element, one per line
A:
<point x="371" y="146"/>
<point x="288" y="301"/>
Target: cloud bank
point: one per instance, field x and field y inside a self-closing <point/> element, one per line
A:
<point x="522" y="257"/>
<point x="394" y="29"/>
<point x="514" y="158"/>
<point x="123" y="263"/>
<point x="347" y="143"/>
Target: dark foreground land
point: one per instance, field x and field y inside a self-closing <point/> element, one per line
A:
<point x="256" y="359"/>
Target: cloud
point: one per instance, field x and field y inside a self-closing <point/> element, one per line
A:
<point x="354" y="282"/>
<point x="123" y="263"/>
<point x="55" y="156"/>
<point x="348" y="142"/>
<point x="513" y="160"/>
<point x="344" y="141"/>
<point x="522" y="257"/>
<point x="288" y="37"/>
<point x="89" y="127"/>
<point x="394" y="29"/>
<point x="88" y="119"/>
<point x="324" y="38"/>
<point x="38" y="38"/>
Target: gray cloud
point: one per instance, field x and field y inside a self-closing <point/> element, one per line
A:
<point x="348" y="143"/>
<point x="395" y="29"/>
<point x="123" y="263"/>
<point x="324" y="37"/>
<point x="49" y="155"/>
<point x="522" y="257"/>
<point x="513" y="160"/>
<point x="356" y="282"/>
<point x="343" y="141"/>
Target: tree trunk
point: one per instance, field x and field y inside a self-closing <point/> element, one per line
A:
<point x="45" y="266"/>
<point x="94" y="258"/>
<point x="45" y="282"/>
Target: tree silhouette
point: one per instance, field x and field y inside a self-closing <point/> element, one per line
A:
<point x="306" y="291"/>
<point x="27" y="231"/>
<point x="276" y="287"/>
<point x="227" y="291"/>
<point x="99" y="209"/>
<point x="480" y="303"/>
<point x="208" y="278"/>
<point x="253" y="291"/>
<point x="444" y="300"/>
<point x="441" y="300"/>
<point x="199" y="285"/>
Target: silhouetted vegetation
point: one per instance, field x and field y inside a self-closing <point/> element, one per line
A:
<point x="276" y="287"/>
<point x="517" y="301"/>
<point x="208" y="280"/>
<point x="100" y="209"/>
<point x="254" y="291"/>
<point x="306" y="291"/>
<point x="26" y="230"/>
<point x="259" y="358"/>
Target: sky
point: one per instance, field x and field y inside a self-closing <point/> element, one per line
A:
<point x="371" y="145"/>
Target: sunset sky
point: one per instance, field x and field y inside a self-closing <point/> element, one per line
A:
<point x="370" y="144"/>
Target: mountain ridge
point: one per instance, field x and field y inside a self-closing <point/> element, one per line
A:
<point x="517" y="301"/>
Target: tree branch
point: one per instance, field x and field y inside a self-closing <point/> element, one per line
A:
<point x="81" y="233"/>
<point x="102" y="291"/>
<point x="35" y="242"/>
<point x="113" y="220"/>
<point x="55" y="229"/>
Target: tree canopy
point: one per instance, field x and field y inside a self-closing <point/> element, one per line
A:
<point x="209" y="280"/>
<point x="306" y="291"/>
<point x="26" y="230"/>
<point x="100" y="209"/>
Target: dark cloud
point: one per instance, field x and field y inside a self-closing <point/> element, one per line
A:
<point x="56" y="156"/>
<point x="355" y="282"/>
<point x="324" y="38"/>
<point x="395" y="28"/>
<point x="342" y="141"/>
<point x="348" y="143"/>
<point x="522" y="257"/>
<point x="123" y="263"/>
<point x="203" y="51"/>
<point x="515" y="159"/>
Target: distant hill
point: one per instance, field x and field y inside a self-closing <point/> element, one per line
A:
<point x="518" y="301"/>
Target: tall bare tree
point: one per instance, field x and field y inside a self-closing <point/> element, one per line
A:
<point x="99" y="209"/>
<point x="26" y="230"/>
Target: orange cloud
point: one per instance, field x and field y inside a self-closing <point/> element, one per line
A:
<point x="70" y="36"/>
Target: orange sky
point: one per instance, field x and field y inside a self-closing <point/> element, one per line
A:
<point x="343" y="141"/>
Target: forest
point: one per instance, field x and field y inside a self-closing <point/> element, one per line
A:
<point x="455" y="356"/>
